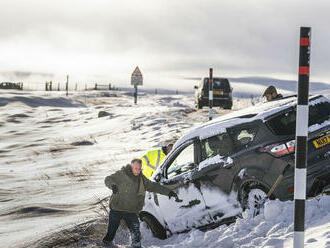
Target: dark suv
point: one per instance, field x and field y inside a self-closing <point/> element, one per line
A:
<point x="9" y="85"/>
<point x="229" y="164"/>
<point x="222" y="93"/>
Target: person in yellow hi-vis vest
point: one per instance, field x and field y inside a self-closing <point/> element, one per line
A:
<point x="153" y="159"/>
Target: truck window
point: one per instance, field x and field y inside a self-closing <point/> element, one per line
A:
<point x="221" y="84"/>
<point x="218" y="83"/>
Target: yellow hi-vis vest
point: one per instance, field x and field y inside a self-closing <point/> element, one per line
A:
<point x="151" y="161"/>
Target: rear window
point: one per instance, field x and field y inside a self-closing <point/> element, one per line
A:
<point x="285" y="124"/>
<point x="218" y="83"/>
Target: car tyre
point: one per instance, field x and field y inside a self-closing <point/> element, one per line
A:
<point x="199" y="105"/>
<point x="251" y="196"/>
<point x="227" y="106"/>
<point x="156" y="228"/>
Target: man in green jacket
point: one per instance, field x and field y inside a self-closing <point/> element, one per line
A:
<point x="128" y="192"/>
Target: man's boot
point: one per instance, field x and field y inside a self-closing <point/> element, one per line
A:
<point x="108" y="243"/>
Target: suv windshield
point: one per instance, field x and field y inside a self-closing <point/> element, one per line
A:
<point x="285" y="124"/>
<point x="218" y="83"/>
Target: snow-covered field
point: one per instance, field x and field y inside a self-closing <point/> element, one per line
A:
<point x="55" y="153"/>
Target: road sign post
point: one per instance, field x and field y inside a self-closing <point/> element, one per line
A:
<point x="301" y="138"/>
<point x="210" y="93"/>
<point x="136" y="79"/>
<point x="135" y="94"/>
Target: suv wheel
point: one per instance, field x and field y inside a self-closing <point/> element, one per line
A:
<point x="227" y="106"/>
<point x="255" y="197"/>
<point x="199" y="105"/>
<point x="156" y="228"/>
<point x="252" y="196"/>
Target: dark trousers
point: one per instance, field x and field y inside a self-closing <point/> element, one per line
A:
<point x="132" y="222"/>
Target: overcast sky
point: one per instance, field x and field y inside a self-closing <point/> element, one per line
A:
<point x="168" y="39"/>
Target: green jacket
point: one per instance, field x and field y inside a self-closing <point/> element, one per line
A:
<point x="131" y="190"/>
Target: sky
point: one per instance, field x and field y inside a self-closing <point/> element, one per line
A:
<point x="104" y="40"/>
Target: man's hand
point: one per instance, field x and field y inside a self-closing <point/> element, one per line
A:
<point x="173" y="194"/>
<point x="114" y="188"/>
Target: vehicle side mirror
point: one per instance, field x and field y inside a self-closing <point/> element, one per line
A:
<point x="196" y="87"/>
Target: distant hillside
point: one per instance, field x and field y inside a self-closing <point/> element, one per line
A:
<point x="290" y="85"/>
<point x="254" y="86"/>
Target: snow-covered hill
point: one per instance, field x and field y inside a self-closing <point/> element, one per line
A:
<point x="55" y="153"/>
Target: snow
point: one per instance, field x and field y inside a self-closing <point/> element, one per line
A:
<point x="213" y="160"/>
<point x="52" y="180"/>
<point x="273" y="228"/>
<point x="272" y="210"/>
<point x="318" y="126"/>
<point x="219" y="124"/>
<point x="225" y="161"/>
<point x="41" y="137"/>
<point x="228" y="162"/>
<point x="318" y="101"/>
<point x="259" y="111"/>
<point x="241" y="173"/>
<point x="209" y="132"/>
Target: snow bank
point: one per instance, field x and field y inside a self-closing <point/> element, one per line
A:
<point x="43" y="142"/>
<point x="37" y="101"/>
<point x="272" y="228"/>
<point x="37" y="149"/>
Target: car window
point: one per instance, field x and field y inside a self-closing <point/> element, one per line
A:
<point x="221" y="144"/>
<point x="183" y="162"/>
<point x="218" y="83"/>
<point x="221" y="84"/>
<point x="285" y="124"/>
<point x="319" y="113"/>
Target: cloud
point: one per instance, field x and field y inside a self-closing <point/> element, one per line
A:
<point x="166" y="38"/>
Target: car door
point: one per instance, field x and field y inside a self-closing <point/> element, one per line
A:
<point x="178" y="175"/>
<point x="217" y="169"/>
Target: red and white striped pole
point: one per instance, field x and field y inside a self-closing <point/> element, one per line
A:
<point x="301" y="139"/>
<point x="210" y="93"/>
